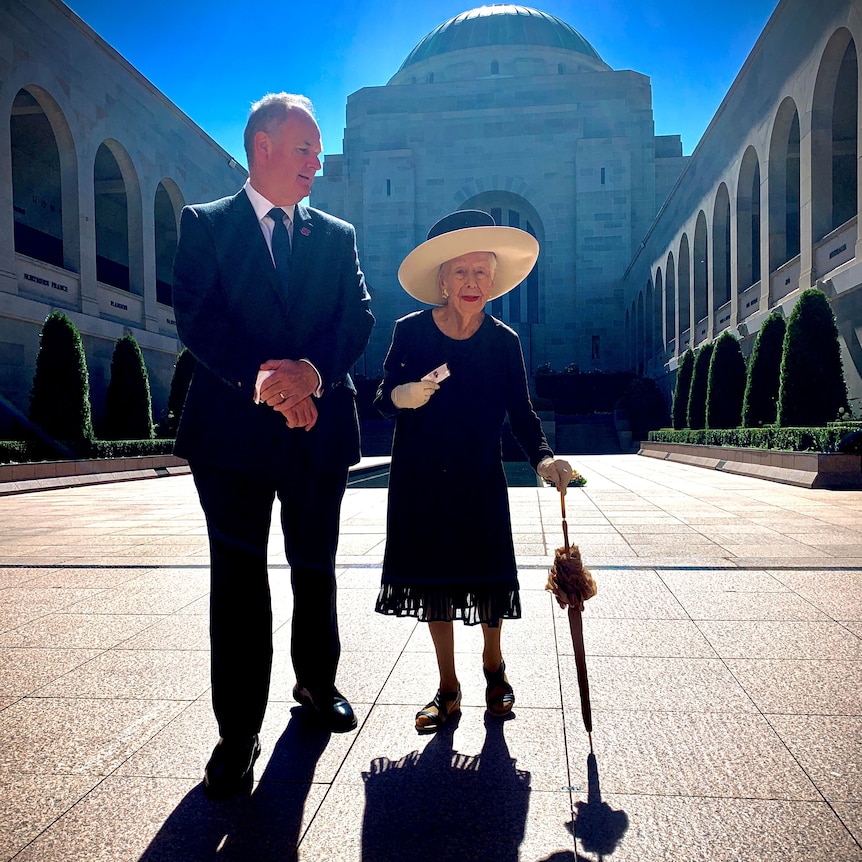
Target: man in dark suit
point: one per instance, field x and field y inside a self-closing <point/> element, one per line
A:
<point x="270" y="300"/>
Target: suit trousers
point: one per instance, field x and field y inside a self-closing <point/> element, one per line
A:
<point x="238" y="511"/>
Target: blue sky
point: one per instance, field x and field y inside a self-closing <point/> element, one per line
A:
<point x="212" y="60"/>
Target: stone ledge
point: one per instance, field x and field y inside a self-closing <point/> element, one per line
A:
<point x="803" y="469"/>
<point x="48" y="475"/>
<point x="45" y="475"/>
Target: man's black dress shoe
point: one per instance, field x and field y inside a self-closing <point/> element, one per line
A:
<point x="333" y="710"/>
<point x="229" y="770"/>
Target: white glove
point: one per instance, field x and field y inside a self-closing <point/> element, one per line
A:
<point x="409" y="396"/>
<point x="556" y="471"/>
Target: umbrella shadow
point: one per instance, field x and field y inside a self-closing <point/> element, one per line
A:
<point x="445" y="805"/>
<point x="264" y="826"/>
<point x="597" y="826"/>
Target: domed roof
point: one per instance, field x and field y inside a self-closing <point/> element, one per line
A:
<point x="500" y="24"/>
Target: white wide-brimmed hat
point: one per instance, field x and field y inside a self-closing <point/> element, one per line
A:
<point x="460" y="233"/>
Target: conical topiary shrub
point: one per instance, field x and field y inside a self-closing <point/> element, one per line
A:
<point x="699" y="382"/>
<point x="726" y="383"/>
<point x="679" y="410"/>
<point x="60" y="415"/>
<point x="760" y="402"/>
<point x="812" y="390"/>
<point x="183" y="371"/>
<point x="128" y="406"/>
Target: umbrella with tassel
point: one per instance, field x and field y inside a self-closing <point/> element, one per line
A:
<point x="572" y="585"/>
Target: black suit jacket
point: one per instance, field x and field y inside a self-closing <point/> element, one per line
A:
<point x="232" y="315"/>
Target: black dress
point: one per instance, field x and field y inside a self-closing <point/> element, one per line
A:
<point x="449" y="552"/>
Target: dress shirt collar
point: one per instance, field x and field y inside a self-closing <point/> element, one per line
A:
<point x="262" y="206"/>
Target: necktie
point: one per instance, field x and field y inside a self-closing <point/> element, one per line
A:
<point x="280" y="246"/>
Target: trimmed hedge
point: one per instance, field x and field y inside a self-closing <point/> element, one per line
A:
<point x="644" y="406"/>
<point x="128" y="404"/>
<point x="696" y="416"/>
<point x="812" y="389"/>
<point x="835" y="437"/>
<point x="726" y="383"/>
<point x="682" y="388"/>
<point x="22" y="452"/>
<point x="61" y="421"/>
<point x="760" y="402"/>
<point x="13" y="451"/>
<point x="582" y="392"/>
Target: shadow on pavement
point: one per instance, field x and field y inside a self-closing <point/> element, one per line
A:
<point x="443" y="805"/>
<point x="596" y="825"/>
<point x="263" y="827"/>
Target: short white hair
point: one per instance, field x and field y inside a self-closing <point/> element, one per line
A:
<point x="270" y="112"/>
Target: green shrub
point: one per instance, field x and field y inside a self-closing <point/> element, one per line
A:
<point x="725" y="384"/>
<point x="13" y="451"/>
<point x="183" y="370"/>
<point x="812" y="389"/>
<point x="60" y="416"/>
<point x="834" y="437"/>
<point x="760" y="402"/>
<point x="682" y="388"/>
<point x="696" y="416"/>
<point x="128" y="406"/>
<point x="574" y="392"/>
<point x="644" y="406"/>
<point x="132" y="448"/>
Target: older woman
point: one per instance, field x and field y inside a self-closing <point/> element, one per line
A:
<point x="452" y="375"/>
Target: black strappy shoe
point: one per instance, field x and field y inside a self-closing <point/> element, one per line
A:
<point x="433" y="716"/>
<point x="499" y="696"/>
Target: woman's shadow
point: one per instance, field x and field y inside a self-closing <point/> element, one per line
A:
<point x="444" y="805"/>
<point x="264" y="826"/>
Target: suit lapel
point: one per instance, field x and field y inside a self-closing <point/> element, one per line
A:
<point x="253" y="248"/>
<point x="303" y="237"/>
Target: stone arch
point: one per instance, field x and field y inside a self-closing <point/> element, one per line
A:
<point x="119" y="228"/>
<point x="784" y="185"/>
<point x="44" y="180"/>
<point x="659" y="338"/>
<point x="748" y="221"/>
<point x="720" y="250"/>
<point x="522" y="307"/>
<point x="684" y="279"/>
<point x="670" y="301"/>
<point x="649" y="303"/>
<point x="627" y="348"/>
<point x="701" y="269"/>
<point x="639" y="335"/>
<point x="167" y="206"/>
<point x="834" y="136"/>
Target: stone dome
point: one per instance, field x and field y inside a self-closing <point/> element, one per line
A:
<point x="499" y="25"/>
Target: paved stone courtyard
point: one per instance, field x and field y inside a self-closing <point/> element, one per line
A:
<point x="724" y="651"/>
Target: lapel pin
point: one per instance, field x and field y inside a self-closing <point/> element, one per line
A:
<point x="305" y="231"/>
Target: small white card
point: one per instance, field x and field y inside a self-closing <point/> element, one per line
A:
<point x="261" y="376"/>
<point x="441" y="372"/>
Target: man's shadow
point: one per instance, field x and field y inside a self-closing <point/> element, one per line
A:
<point x="264" y="826"/>
<point x="444" y="805"/>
